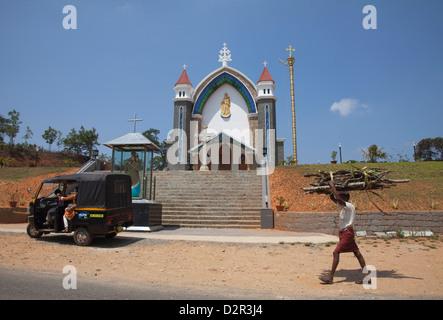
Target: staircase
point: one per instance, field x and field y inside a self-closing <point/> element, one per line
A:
<point x="209" y="199"/>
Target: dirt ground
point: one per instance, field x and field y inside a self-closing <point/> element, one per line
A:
<point x="409" y="268"/>
<point x="405" y="268"/>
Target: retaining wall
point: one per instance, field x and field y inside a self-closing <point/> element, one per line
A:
<point x="13" y="215"/>
<point x="371" y="222"/>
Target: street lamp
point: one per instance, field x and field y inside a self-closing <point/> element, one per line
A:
<point x="339" y="149"/>
<point x="265" y="178"/>
<point x="414" y="145"/>
<point x="36" y="155"/>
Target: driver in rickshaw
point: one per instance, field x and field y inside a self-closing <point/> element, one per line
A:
<point x="50" y="216"/>
<point x="70" y="210"/>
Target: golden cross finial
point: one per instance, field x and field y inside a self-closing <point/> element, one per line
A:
<point x="290" y="51"/>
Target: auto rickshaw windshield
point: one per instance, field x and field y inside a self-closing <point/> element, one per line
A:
<point x="47" y="190"/>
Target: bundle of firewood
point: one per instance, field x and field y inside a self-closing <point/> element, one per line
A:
<point x="350" y="180"/>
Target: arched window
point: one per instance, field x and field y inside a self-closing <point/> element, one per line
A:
<point x="267" y="135"/>
<point x="180" y="135"/>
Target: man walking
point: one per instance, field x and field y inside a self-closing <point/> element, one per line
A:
<point x="346" y="233"/>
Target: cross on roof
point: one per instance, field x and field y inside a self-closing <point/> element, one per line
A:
<point x="225" y="55"/>
<point x="135" y="120"/>
<point x="290" y="49"/>
<point x="184" y="67"/>
<point x="265" y="63"/>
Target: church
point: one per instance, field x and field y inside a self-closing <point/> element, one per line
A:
<point x="226" y="122"/>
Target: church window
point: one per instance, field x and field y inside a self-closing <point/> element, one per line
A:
<point x="267" y="127"/>
<point x="180" y="135"/>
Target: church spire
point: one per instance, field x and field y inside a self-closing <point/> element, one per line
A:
<point x="265" y="75"/>
<point x="183" y="87"/>
<point x="265" y="84"/>
<point x="184" y="77"/>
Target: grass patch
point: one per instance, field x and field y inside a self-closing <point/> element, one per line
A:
<point x="426" y="171"/>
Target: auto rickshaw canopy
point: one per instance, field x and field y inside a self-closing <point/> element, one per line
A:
<point x="99" y="189"/>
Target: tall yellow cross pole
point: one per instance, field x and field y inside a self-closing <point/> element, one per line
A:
<point x="291" y="75"/>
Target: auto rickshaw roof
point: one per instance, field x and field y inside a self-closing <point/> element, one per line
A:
<point x="85" y="176"/>
<point x="99" y="189"/>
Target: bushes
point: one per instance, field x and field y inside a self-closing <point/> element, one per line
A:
<point x="71" y="163"/>
<point x="5" y="162"/>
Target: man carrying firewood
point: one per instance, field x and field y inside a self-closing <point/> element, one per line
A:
<point x="346" y="233"/>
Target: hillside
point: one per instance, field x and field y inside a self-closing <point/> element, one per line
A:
<point x="28" y="157"/>
<point x="425" y="187"/>
<point x="23" y="168"/>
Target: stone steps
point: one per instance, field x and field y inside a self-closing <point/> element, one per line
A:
<point x="214" y="199"/>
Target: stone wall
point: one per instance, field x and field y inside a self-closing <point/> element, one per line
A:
<point x="13" y="215"/>
<point x="371" y="222"/>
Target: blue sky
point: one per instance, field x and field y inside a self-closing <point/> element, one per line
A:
<point x="385" y="86"/>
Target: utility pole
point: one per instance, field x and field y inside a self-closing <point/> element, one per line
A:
<point x="290" y="64"/>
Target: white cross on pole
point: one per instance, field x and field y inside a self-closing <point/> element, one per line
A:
<point x="135" y="120"/>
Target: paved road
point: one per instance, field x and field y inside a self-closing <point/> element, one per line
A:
<point x="27" y="285"/>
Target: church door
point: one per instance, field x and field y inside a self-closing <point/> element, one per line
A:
<point x="221" y="165"/>
<point x="243" y="165"/>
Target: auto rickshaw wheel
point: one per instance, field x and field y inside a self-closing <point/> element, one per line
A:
<point x="32" y="232"/>
<point x="82" y="237"/>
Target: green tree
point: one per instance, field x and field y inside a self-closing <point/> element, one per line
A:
<point x="430" y="149"/>
<point x="81" y="142"/>
<point x="3" y="122"/>
<point x="59" y="139"/>
<point x="72" y="142"/>
<point x="158" y="162"/>
<point x="374" y="153"/>
<point x="88" y="140"/>
<point x="28" y="134"/>
<point x="11" y="126"/>
<point x="50" y="135"/>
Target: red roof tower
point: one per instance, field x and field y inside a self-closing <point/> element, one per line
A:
<point x="265" y="75"/>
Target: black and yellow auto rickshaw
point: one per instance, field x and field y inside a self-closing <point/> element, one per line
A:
<point x="103" y="206"/>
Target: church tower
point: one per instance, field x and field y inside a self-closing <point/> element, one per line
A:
<point x="266" y="101"/>
<point x="183" y="104"/>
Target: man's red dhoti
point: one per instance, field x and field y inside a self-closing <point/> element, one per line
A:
<point x="346" y="241"/>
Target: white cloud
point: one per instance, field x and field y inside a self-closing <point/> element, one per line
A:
<point x="347" y="106"/>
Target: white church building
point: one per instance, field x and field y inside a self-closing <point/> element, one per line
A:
<point x="226" y="122"/>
